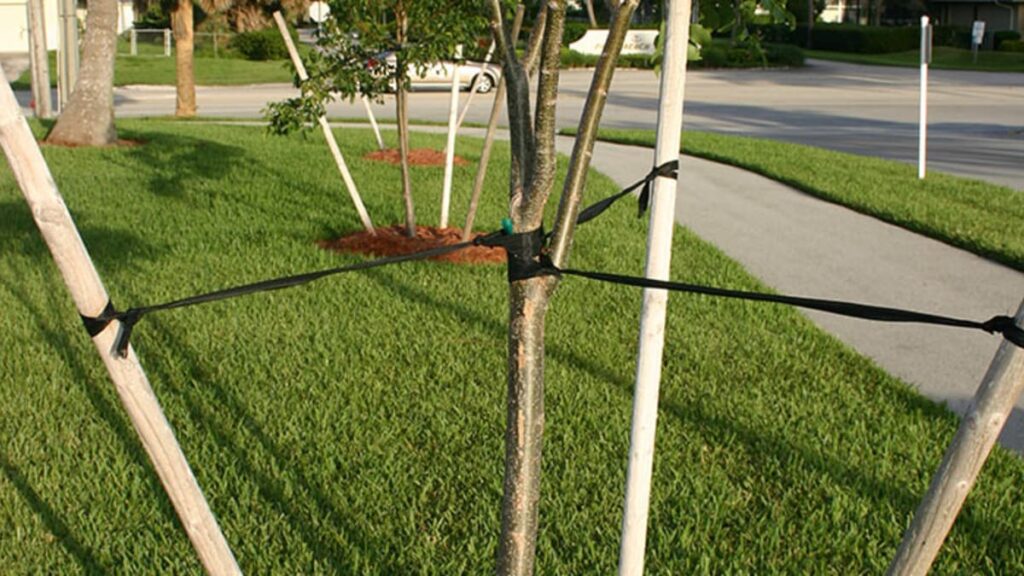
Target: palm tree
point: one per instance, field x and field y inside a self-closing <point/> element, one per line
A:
<point x="88" y="118"/>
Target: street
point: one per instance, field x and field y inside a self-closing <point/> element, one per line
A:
<point x="976" y="119"/>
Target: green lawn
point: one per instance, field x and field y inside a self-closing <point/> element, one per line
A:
<point x="943" y="57"/>
<point x="150" y="69"/>
<point x="976" y="216"/>
<point x="354" y="426"/>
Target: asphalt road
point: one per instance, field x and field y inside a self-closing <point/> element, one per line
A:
<point x="976" y="119"/>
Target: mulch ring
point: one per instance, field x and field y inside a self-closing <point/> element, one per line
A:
<point x="417" y="157"/>
<point x="392" y="241"/>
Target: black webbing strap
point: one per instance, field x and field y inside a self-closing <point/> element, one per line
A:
<point x="669" y="169"/>
<point x="128" y="318"/>
<point x="1004" y="325"/>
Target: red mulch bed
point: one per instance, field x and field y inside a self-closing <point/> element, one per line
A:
<point x="392" y="241"/>
<point x="417" y="157"/>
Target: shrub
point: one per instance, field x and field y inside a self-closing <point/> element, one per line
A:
<point x="1003" y="36"/>
<point x="952" y="36"/>
<point x="573" y="32"/>
<point x="265" y="44"/>
<point x="1011" y="46"/>
<point x="713" y="56"/>
<point x="861" y="39"/>
<point x="784" y="55"/>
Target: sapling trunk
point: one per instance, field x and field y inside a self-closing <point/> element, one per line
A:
<point x="531" y="183"/>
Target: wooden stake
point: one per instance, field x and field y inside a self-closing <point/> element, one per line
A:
<point x="90" y="297"/>
<point x="979" y="429"/>
<point x="40" y="63"/>
<point x="449" y="150"/>
<point x="652" y="316"/>
<point x="473" y="85"/>
<point x="373" y="122"/>
<point x="339" y="160"/>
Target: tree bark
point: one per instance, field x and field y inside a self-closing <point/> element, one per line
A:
<point x="184" y="46"/>
<point x="402" y="105"/>
<point x="88" y="118"/>
<point x="531" y="182"/>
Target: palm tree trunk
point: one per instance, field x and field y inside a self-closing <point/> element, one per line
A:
<point x="88" y="118"/>
<point x="184" y="45"/>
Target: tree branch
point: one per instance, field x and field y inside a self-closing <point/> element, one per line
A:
<point x="520" y="129"/>
<point x="583" y="150"/>
<point x="539" y="189"/>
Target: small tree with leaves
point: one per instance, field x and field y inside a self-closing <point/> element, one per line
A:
<point x="349" y="61"/>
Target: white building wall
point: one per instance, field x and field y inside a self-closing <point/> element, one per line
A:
<point x="14" y="24"/>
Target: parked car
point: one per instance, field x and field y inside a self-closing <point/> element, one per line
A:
<point x="440" y="74"/>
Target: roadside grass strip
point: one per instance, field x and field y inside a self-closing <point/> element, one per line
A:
<point x="977" y="216"/>
<point x="943" y="58"/>
<point x="355" y="425"/>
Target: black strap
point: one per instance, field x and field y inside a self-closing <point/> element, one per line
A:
<point x="129" y="317"/>
<point x="1004" y="325"/>
<point x="669" y="169"/>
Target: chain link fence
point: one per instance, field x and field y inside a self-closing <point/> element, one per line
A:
<point x="159" y="43"/>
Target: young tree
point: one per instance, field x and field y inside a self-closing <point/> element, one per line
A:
<point x="531" y="182"/>
<point x="88" y="118"/>
<point x="352" y="61"/>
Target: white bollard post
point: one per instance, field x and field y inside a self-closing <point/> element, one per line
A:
<point x="922" y="132"/>
<point x="449" y="155"/>
<point x="652" y="321"/>
<point x="167" y="42"/>
<point x="133" y="35"/>
<point x="339" y="160"/>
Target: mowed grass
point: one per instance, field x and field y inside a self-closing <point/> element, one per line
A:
<point x="355" y="425"/>
<point x="977" y="216"/>
<point x="159" y="70"/>
<point x="943" y="57"/>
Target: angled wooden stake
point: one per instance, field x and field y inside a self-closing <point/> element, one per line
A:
<point x="90" y="297"/>
<point x="339" y="160"/>
<point x="979" y="429"/>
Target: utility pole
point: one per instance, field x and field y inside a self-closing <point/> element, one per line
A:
<point x="37" y="57"/>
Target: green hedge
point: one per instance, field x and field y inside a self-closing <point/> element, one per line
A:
<point x="1011" y="46"/>
<point x="862" y="39"/>
<point x="721" y="55"/>
<point x="573" y="32"/>
<point x="265" y="44"/>
<point x="998" y="38"/>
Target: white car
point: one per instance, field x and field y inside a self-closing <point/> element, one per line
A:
<point x="483" y="76"/>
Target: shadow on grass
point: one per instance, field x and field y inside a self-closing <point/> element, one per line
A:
<point x="19" y="235"/>
<point x="768" y="448"/>
<point x="178" y="163"/>
<point x="222" y="418"/>
<point x="63" y="346"/>
<point x="51" y="519"/>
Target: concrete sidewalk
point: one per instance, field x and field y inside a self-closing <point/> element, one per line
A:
<point x="803" y="246"/>
<point x="800" y="245"/>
